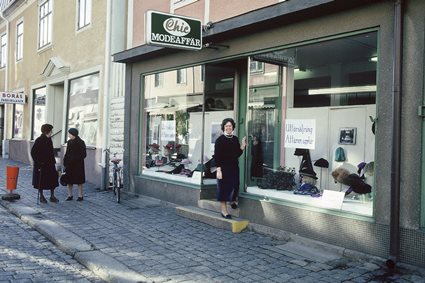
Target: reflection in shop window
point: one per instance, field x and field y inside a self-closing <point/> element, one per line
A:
<point x="84" y="107"/>
<point x="39" y="111"/>
<point x="18" y="118"/>
<point x="310" y="115"/>
<point x="173" y="126"/>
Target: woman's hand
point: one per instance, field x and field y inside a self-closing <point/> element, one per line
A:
<point x="243" y="143"/>
<point x="219" y="174"/>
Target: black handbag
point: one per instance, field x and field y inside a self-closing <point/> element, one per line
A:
<point x="63" y="179"/>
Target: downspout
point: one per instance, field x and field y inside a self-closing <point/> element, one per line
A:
<point x="6" y="86"/>
<point x="106" y="99"/>
<point x="396" y="138"/>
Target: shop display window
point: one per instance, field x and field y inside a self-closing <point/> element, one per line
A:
<point x="173" y="125"/>
<point x="39" y="111"/>
<point x="83" y="106"/>
<point x="311" y="113"/>
<point x="18" y="119"/>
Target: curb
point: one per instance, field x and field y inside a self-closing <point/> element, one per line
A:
<point x="102" y="265"/>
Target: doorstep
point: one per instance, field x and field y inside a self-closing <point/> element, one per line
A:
<point x="213" y="218"/>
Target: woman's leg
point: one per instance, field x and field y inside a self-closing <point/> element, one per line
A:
<point x="223" y="207"/>
<point x="42" y="198"/>
<point x="69" y="188"/>
<point x="80" y="190"/>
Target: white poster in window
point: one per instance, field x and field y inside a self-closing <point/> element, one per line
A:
<point x="168" y="131"/>
<point x="300" y="133"/>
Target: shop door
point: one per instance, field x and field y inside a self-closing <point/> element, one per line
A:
<point x="263" y="122"/>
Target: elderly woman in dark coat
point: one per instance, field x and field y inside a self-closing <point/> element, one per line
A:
<point x="45" y="176"/>
<point x="74" y="163"/>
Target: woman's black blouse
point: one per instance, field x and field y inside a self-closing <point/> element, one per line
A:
<point x="227" y="151"/>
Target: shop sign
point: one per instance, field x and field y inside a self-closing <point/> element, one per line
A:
<point x="12" y="97"/>
<point x="300" y="133"/>
<point x="173" y="31"/>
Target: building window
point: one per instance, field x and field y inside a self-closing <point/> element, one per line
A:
<point x="181" y="76"/>
<point x="175" y="4"/>
<point x="3" y="50"/>
<point x="83" y="109"/>
<point x="45" y="24"/>
<point x="18" y="119"/>
<point x="19" y="41"/>
<point x="159" y="79"/>
<point x="84" y="13"/>
<point x="256" y="67"/>
<point x="38" y="111"/>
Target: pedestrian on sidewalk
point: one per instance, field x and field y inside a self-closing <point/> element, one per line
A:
<point x="45" y="176"/>
<point x="227" y="150"/>
<point x="74" y="163"/>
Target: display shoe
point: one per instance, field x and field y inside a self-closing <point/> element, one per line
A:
<point x="43" y="199"/>
<point x="79" y="198"/>
<point x="53" y="199"/>
<point x="234" y="205"/>
<point x="69" y="198"/>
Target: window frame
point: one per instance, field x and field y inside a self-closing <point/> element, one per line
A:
<point x="19" y="52"/>
<point x="3" y="50"/>
<point x="85" y="14"/>
<point x="45" y="24"/>
<point x="176" y="4"/>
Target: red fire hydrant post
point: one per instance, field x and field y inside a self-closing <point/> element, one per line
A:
<point x="12" y="173"/>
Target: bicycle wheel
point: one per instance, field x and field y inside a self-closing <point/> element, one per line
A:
<point x="114" y="182"/>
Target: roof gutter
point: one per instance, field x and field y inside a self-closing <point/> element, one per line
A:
<point x="396" y="137"/>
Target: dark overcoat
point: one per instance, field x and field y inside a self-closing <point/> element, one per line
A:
<point x="74" y="161"/>
<point x="44" y="175"/>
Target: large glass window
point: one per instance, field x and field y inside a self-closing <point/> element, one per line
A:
<point x="310" y="114"/>
<point x="19" y="41"/>
<point x="83" y="109"/>
<point x="45" y="24"/>
<point x="173" y="126"/>
<point x="18" y="120"/>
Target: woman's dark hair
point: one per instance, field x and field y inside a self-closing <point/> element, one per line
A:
<point x="46" y="128"/>
<point x="227" y="120"/>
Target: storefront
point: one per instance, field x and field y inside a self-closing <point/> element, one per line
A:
<point x="311" y="86"/>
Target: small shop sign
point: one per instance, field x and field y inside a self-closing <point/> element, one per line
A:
<point x="173" y="31"/>
<point x="300" y="133"/>
<point x="12" y="97"/>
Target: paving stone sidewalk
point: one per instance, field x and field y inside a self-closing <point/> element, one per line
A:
<point x="145" y="239"/>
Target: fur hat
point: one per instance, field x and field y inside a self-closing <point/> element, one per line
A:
<point x="73" y="131"/>
<point x="339" y="174"/>
<point x="46" y="128"/>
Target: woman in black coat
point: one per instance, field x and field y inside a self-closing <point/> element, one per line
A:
<point x="74" y="163"/>
<point x="44" y="176"/>
<point x="227" y="150"/>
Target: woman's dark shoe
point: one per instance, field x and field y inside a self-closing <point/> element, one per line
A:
<point x="69" y="198"/>
<point x="43" y="199"/>
<point x="54" y="199"/>
<point x="228" y="216"/>
<point x="234" y="205"/>
<point x="79" y="198"/>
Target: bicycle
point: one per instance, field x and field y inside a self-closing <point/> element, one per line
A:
<point x="117" y="175"/>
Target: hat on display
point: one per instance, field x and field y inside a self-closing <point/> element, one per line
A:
<point x="321" y="163"/>
<point x="73" y="131"/>
<point x="300" y="151"/>
<point x="308" y="172"/>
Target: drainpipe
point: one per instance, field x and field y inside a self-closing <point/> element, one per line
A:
<point x="106" y="98"/>
<point x="396" y="138"/>
<point x="6" y="85"/>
